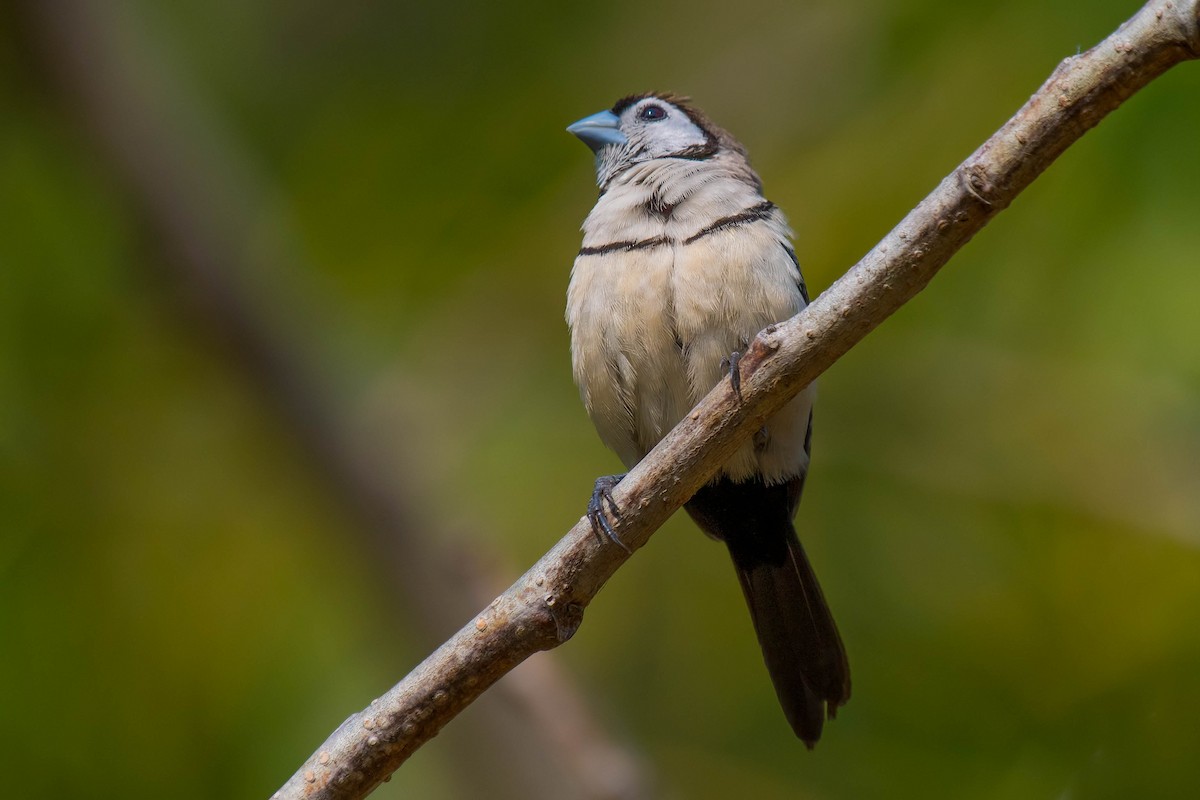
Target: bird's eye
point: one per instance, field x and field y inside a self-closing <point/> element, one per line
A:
<point x="652" y="113"/>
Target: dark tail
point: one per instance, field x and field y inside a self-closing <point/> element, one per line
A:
<point x="799" y="640"/>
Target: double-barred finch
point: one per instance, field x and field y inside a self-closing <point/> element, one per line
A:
<point x="683" y="263"/>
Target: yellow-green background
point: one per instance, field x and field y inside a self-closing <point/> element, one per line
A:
<point x="1004" y="507"/>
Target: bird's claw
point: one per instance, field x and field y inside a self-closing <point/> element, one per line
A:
<point x="735" y="375"/>
<point x="596" y="513"/>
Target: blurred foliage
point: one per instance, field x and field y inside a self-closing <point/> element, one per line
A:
<point x="1005" y="504"/>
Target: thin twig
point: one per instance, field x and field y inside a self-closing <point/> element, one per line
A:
<point x="545" y="606"/>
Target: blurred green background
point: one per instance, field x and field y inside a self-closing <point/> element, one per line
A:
<point x="1005" y="502"/>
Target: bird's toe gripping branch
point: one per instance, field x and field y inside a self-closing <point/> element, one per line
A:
<point x="598" y="515"/>
<point x="735" y="375"/>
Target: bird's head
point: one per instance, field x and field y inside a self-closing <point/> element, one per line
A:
<point x="645" y="127"/>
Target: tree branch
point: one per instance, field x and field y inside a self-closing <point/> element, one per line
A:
<point x="545" y="606"/>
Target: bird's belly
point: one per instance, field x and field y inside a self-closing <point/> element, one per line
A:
<point x="627" y="357"/>
<point x="728" y="287"/>
<point x="650" y="328"/>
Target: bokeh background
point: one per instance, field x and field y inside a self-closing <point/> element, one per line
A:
<point x="285" y="391"/>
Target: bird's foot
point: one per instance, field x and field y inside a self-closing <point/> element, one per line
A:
<point x="735" y="375"/>
<point x="596" y="513"/>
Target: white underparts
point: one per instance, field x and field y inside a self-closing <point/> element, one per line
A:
<point x="683" y="262"/>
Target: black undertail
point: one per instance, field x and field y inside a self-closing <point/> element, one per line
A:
<point x="799" y="640"/>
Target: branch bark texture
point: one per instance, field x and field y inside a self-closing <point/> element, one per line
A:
<point x="545" y="606"/>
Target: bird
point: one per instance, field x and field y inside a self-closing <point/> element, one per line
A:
<point x="683" y="262"/>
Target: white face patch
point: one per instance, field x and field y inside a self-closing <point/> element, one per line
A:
<point x="654" y="129"/>
<point x="657" y="129"/>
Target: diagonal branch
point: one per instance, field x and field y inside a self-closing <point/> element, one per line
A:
<point x="545" y="606"/>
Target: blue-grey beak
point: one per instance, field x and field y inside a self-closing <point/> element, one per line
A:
<point x="598" y="131"/>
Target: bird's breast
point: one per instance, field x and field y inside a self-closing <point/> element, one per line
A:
<point x="626" y="355"/>
<point x="663" y="289"/>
